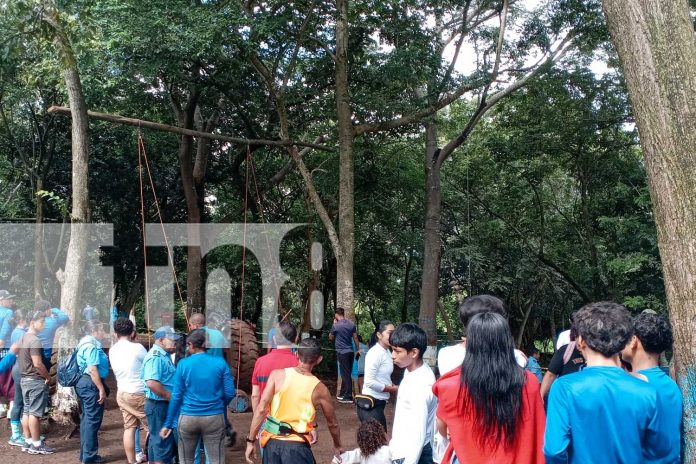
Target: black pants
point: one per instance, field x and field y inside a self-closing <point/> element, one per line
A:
<point x="345" y="364"/>
<point x="426" y="456"/>
<point x="376" y="413"/>
<point x="287" y="452"/>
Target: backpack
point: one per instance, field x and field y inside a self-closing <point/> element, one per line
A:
<point x="67" y="370"/>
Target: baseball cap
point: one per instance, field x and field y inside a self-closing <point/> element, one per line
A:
<point x="5" y="295"/>
<point x="166" y="331"/>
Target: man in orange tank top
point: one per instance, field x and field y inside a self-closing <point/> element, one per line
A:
<point x="290" y="400"/>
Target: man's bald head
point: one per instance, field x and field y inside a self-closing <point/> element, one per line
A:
<point x="196" y="321"/>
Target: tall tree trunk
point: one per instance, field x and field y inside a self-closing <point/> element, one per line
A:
<point x="430" y="289"/>
<point x="39" y="243"/>
<point x="407" y="281"/>
<point x="72" y="277"/>
<point x="195" y="285"/>
<point x="346" y="137"/>
<point x="656" y="44"/>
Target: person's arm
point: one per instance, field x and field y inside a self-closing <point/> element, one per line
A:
<point x="174" y="403"/>
<point x="357" y="344"/>
<point x="255" y="397"/>
<point x="441" y="427"/>
<point x="8" y="361"/>
<point x="37" y="360"/>
<point x="5" y="329"/>
<point x="546" y="383"/>
<point x="372" y="365"/>
<point x="322" y="398"/>
<point x="558" y="432"/>
<point x="149" y="370"/>
<point x="92" y="357"/>
<point x="332" y="334"/>
<point x="228" y="390"/>
<point x="61" y="317"/>
<point x="260" y="414"/>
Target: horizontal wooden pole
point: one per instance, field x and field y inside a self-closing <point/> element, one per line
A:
<point x="116" y="119"/>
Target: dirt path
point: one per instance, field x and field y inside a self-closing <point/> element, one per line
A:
<point x="110" y="437"/>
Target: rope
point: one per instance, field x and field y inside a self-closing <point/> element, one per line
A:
<point x="142" y="225"/>
<point x="170" y="253"/>
<point x="241" y="299"/>
<point x="268" y="244"/>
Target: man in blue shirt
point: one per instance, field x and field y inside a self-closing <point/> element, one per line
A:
<point x="215" y="341"/>
<point x="602" y="414"/>
<point x="346" y="336"/>
<point x="89" y="313"/>
<point x="55" y="319"/>
<point x="653" y="335"/>
<point x="533" y="363"/>
<point x="7" y="304"/>
<point x="91" y="389"/>
<point x="158" y="375"/>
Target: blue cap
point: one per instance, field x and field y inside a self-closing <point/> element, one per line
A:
<point x="166" y="331"/>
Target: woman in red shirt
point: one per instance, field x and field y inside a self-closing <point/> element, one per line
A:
<point x="491" y="408"/>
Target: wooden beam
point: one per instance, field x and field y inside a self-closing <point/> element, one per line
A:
<point x="116" y="119"/>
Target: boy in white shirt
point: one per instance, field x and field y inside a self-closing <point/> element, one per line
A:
<point x="414" y="414"/>
<point x="126" y="359"/>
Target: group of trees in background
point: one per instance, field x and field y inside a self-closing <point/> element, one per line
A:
<point x="436" y="148"/>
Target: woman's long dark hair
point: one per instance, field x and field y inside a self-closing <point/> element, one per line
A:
<point x="492" y="380"/>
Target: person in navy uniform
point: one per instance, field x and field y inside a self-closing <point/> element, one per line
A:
<point x="158" y="375"/>
<point x="91" y="389"/>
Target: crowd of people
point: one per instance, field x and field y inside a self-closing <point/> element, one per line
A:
<point x="605" y="398"/>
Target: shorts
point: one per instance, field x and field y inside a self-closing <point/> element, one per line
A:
<point x="35" y="396"/>
<point x="132" y="406"/>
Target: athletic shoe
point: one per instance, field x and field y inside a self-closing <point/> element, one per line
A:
<point x="41" y="449"/>
<point x="25" y="447"/>
<point x="345" y="400"/>
<point x="140" y="457"/>
<point x="17" y="441"/>
<point x="3" y="410"/>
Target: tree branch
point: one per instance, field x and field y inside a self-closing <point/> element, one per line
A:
<point x="194" y="133"/>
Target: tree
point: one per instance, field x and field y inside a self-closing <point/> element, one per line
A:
<point x="657" y="47"/>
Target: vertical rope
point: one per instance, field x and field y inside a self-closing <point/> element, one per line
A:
<point x="241" y="300"/>
<point x="142" y="226"/>
<point x="170" y="253"/>
<point x="268" y="244"/>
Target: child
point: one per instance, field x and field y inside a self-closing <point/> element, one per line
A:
<point x="653" y="335"/>
<point x="372" y="446"/>
<point x="414" y="414"/>
<point x="602" y="414"/>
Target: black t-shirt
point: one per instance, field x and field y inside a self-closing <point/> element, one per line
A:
<point x="574" y="364"/>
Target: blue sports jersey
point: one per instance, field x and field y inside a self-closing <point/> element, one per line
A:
<point x="602" y="415"/>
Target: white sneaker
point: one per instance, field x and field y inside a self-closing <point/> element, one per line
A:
<point x="140" y="457"/>
<point x="3" y="410"/>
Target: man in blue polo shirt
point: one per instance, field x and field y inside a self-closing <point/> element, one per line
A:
<point x="215" y="340"/>
<point x="602" y="414"/>
<point x="653" y="336"/>
<point x="158" y="376"/>
<point x="7" y="305"/>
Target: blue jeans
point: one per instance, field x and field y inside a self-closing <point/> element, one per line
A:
<point x="158" y="448"/>
<point x="138" y="448"/>
<point x="91" y="418"/>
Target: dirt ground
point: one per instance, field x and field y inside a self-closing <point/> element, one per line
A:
<point x="110" y="436"/>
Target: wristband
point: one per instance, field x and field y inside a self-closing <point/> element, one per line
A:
<point x="249" y="440"/>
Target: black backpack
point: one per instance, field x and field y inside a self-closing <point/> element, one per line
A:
<point x="67" y="370"/>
